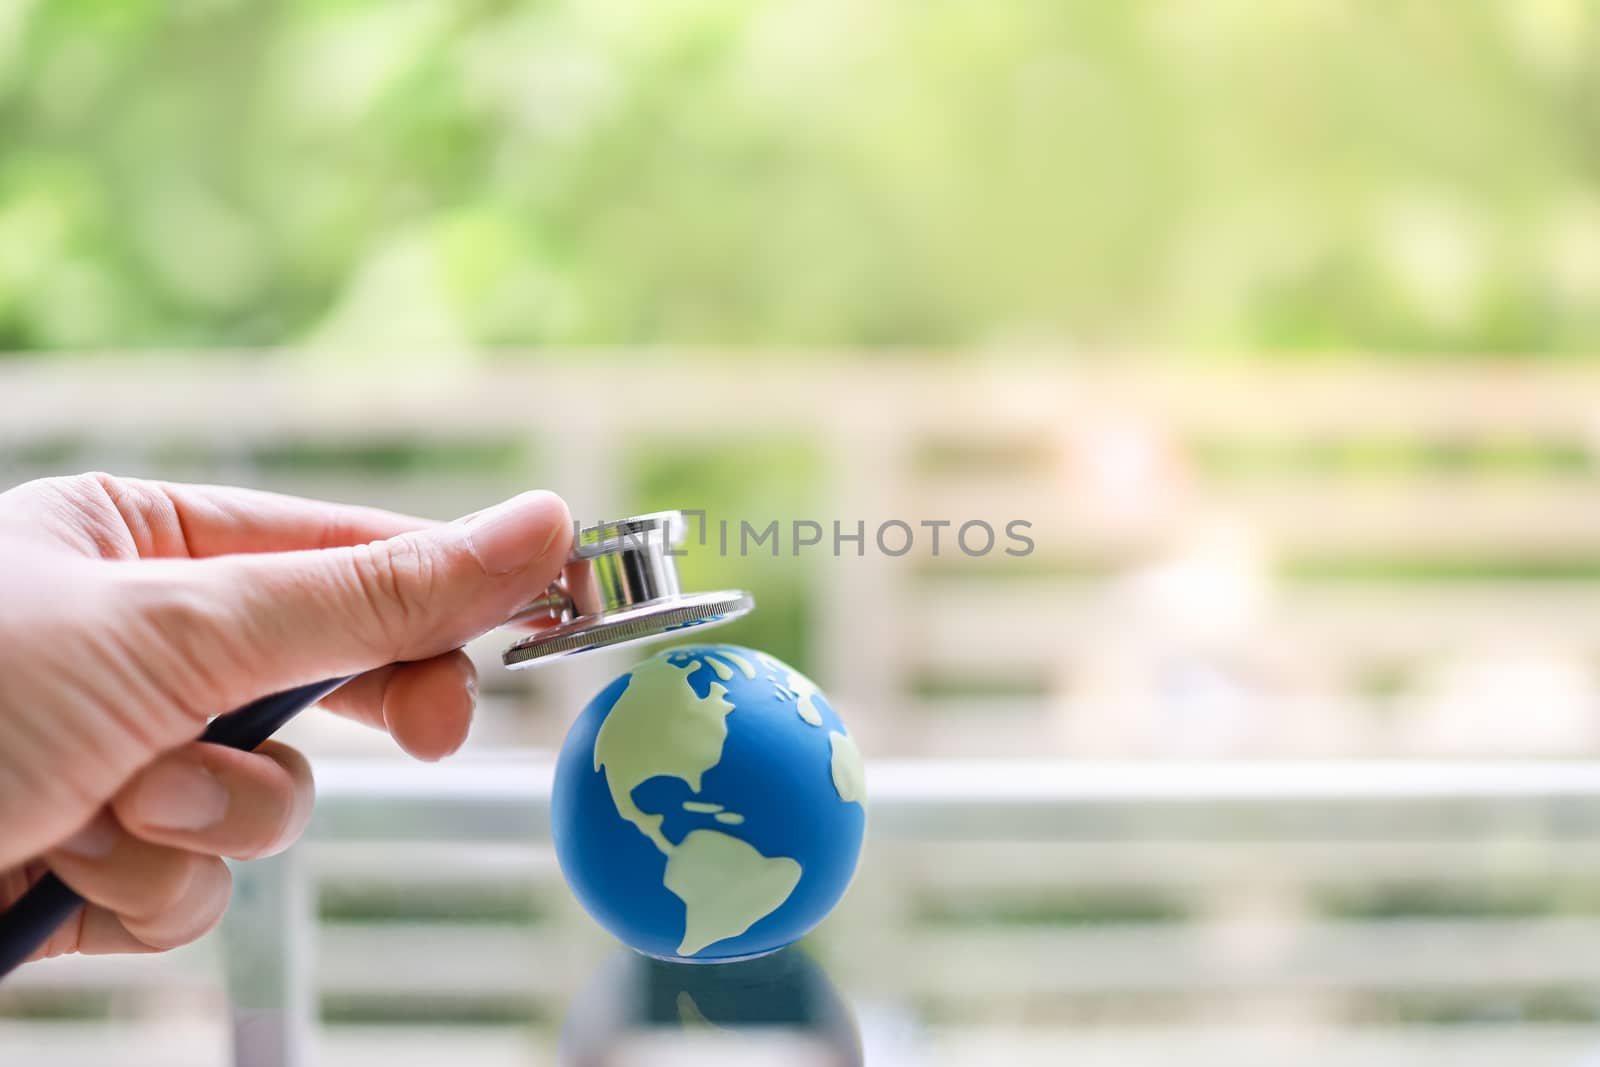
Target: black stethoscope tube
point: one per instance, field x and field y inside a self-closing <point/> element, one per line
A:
<point x="37" y="914"/>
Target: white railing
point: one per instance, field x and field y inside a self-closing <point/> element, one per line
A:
<point x="1151" y="564"/>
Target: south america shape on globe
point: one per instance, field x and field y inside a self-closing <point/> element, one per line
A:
<point x="709" y="805"/>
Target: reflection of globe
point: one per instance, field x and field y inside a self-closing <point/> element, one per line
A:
<point x="708" y="805"/>
<point x="783" y="1005"/>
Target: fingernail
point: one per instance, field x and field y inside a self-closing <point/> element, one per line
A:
<point x="513" y="534"/>
<point x="95" y="840"/>
<point x="179" y="796"/>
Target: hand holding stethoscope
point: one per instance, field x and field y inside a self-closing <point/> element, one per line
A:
<point x="135" y="611"/>
<point x="131" y="612"/>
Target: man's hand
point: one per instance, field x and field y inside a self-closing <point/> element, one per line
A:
<point x="131" y="612"/>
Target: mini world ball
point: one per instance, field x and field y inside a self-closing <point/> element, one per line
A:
<point x="708" y="805"/>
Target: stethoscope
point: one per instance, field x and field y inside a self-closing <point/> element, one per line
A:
<point x="619" y="585"/>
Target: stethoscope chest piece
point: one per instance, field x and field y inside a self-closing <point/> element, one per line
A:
<point x="620" y="585"/>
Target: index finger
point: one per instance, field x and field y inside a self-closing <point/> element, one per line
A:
<point x="213" y="520"/>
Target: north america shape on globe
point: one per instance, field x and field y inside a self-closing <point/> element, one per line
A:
<point x="709" y="805"/>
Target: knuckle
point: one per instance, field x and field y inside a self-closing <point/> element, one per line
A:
<point x="85" y="486"/>
<point x="396" y="579"/>
<point x="182" y="615"/>
<point x="201" y="664"/>
<point x="119" y="516"/>
<point x="82" y="506"/>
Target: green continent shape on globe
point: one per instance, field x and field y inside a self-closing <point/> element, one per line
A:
<point x="660" y="727"/>
<point x="725" y="885"/>
<point x="849" y="776"/>
<point x="797" y="687"/>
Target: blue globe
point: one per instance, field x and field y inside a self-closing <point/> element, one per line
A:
<point x="708" y="805"/>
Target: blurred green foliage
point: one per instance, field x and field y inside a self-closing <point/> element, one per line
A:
<point x="1204" y="175"/>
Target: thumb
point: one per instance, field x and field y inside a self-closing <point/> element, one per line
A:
<point x="295" y="617"/>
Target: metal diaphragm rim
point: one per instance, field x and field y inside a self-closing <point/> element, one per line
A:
<point x="656" y="618"/>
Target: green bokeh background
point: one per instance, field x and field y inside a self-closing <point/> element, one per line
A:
<point x="1306" y="176"/>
